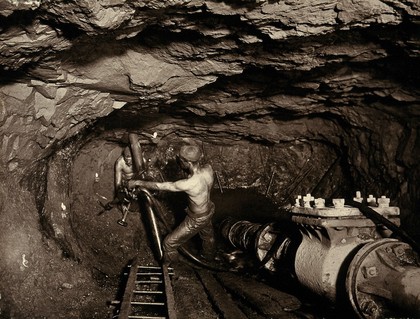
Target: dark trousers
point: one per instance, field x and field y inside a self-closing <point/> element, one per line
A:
<point x="188" y="228"/>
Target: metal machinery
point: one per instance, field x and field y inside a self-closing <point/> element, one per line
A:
<point x="339" y="253"/>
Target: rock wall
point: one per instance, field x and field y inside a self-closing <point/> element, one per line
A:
<point x="319" y="96"/>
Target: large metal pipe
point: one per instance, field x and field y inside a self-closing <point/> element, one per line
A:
<point x="381" y="276"/>
<point x="136" y="150"/>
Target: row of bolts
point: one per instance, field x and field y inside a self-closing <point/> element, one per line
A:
<point x="305" y="201"/>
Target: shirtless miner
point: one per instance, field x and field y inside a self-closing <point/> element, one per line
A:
<point x="200" y="209"/>
<point x="123" y="172"/>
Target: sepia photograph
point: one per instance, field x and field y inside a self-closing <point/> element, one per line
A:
<point x="209" y="159"/>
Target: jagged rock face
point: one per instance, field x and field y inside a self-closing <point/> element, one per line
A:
<point x="323" y="93"/>
<point x="342" y="73"/>
<point x="260" y="63"/>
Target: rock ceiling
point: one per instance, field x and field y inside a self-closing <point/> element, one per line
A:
<point x="296" y="77"/>
<point x="226" y="69"/>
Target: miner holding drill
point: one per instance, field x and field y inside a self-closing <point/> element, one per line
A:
<point x="123" y="172"/>
<point x="200" y="208"/>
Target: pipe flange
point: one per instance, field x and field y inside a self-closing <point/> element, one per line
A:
<point x="375" y="263"/>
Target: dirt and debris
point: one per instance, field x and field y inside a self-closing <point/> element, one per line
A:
<point x="37" y="280"/>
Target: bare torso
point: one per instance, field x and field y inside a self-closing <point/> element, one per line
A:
<point x="123" y="172"/>
<point x="200" y="184"/>
<point x="197" y="186"/>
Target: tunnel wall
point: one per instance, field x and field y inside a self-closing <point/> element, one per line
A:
<point x="267" y="86"/>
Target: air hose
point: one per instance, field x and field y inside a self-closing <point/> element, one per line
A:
<point x="158" y="209"/>
<point x="379" y="219"/>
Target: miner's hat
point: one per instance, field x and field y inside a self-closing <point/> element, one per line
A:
<point x="191" y="153"/>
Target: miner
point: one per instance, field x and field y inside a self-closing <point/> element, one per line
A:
<point x="200" y="208"/>
<point x="123" y="172"/>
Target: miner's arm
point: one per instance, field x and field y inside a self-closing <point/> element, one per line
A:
<point x="178" y="186"/>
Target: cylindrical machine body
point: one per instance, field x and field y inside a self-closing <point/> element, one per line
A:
<point x="330" y="238"/>
<point x="319" y="263"/>
<point x="340" y="255"/>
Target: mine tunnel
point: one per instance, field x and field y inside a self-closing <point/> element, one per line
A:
<point x="307" y="111"/>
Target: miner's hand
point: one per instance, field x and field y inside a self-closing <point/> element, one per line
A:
<point x="132" y="184"/>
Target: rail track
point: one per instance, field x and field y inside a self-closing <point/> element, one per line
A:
<point x="151" y="292"/>
<point x="148" y="293"/>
